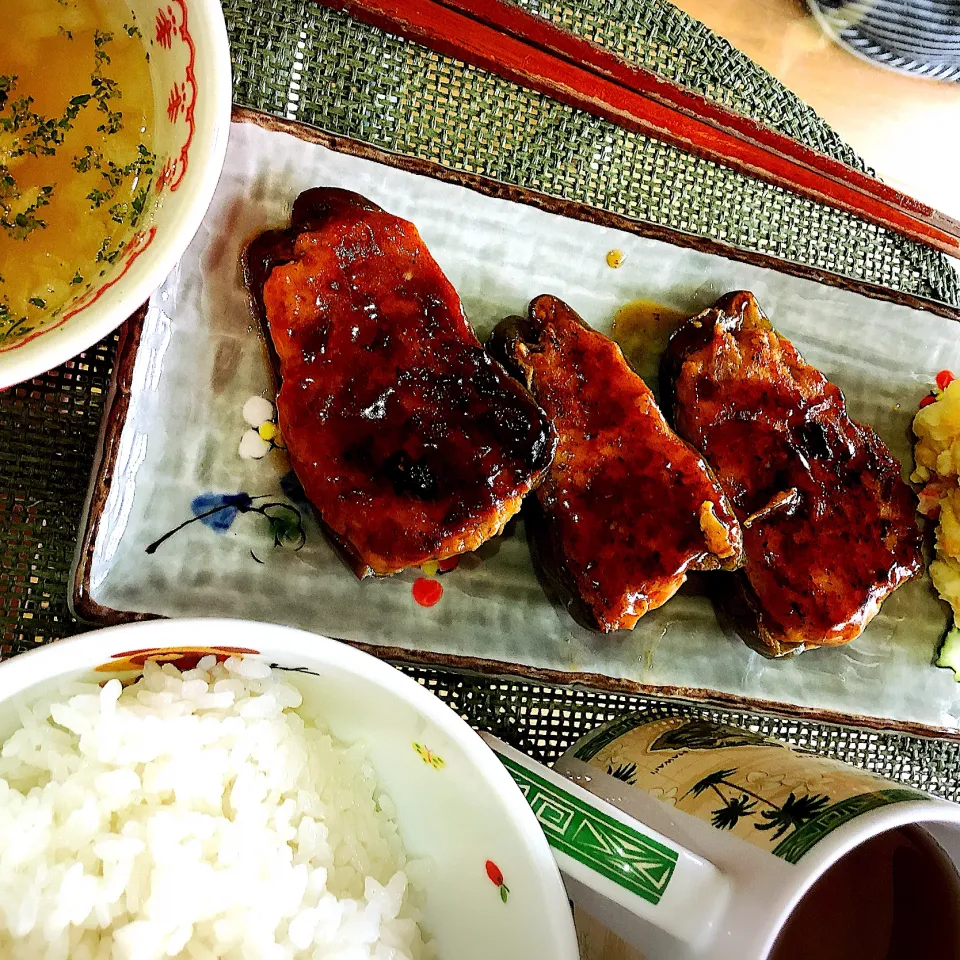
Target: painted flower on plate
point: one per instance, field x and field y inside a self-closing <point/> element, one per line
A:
<point x="264" y="433"/>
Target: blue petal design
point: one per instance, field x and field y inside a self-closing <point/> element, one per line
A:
<point x="227" y="506"/>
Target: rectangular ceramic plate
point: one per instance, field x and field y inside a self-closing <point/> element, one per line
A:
<point x="194" y="358"/>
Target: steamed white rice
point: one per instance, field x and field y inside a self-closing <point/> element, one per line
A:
<point x="196" y="815"/>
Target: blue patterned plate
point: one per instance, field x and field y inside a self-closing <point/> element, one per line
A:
<point x="920" y="37"/>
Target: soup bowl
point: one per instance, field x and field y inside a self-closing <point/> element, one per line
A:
<point x="189" y="64"/>
<point x="491" y="885"/>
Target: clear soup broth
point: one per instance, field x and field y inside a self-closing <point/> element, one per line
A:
<point x="76" y="152"/>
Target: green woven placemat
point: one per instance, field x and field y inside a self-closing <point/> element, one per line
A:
<point x="296" y="59"/>
<point x="306" y="62"/>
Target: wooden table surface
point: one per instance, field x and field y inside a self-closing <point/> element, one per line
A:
<point x="596" y="942"/>
<point x="907" y="129"/>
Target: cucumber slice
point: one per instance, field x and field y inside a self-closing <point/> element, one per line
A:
<point x="949" y="653"/>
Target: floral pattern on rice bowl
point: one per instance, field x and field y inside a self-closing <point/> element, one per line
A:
<point x="183" y="658"/>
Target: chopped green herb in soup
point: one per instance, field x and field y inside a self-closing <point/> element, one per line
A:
<point x="76" y="159"/>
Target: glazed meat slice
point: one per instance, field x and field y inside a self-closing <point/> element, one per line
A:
<point x="409" y="440"/>
<point x="828" y="523"/>
<point x="627" y="507"/>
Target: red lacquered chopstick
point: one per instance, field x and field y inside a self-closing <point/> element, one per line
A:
<point x="529" y="50"/>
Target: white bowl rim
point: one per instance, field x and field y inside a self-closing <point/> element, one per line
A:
<point x="85" y="651"/>
<point x="57" y="345"/>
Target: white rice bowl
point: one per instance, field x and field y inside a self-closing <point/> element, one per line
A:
<point x="196" y="815"/>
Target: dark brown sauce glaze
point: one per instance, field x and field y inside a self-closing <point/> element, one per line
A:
<point x="627" y="507"/>
<point x="829" y="527"/>
<point x="410" y="441"/>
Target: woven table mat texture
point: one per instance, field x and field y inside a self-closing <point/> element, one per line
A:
<point x="296" y="59"/>
<point x="405" y="98"/>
